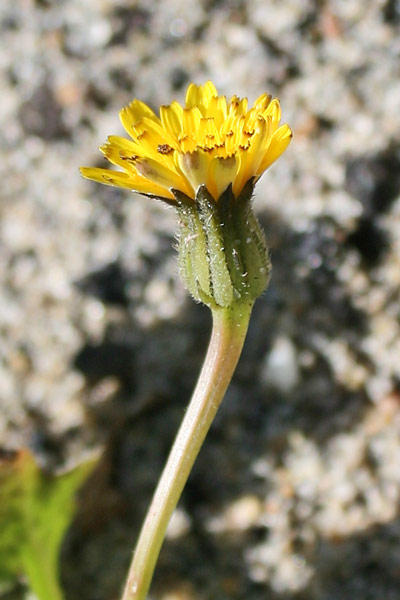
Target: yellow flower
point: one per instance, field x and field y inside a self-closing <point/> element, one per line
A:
<point x="208" y="142"/>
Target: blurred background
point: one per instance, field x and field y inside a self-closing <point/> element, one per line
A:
<point x="296" y="492"/>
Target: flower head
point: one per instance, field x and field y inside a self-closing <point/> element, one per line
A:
<point x="207" y="142"/>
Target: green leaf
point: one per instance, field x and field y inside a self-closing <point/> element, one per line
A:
<point x="36" y="508"/>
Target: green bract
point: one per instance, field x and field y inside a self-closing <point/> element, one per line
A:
<point x="223" y="253"/>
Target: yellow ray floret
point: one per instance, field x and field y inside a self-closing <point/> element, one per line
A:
<point x="207" y="142"/>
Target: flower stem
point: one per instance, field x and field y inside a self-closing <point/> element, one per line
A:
<point x="227" y="338"/>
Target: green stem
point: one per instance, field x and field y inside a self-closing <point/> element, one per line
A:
<point x="227" y="338"/>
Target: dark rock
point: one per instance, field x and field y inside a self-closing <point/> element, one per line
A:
<point x="10" y="22"/>
<point x="179" y="77"/>
<point x="370" y="240"/>
<point x="391" y="12"/>
<point x="42" y="115"/>
<point x="127" y="20"/>
<point x="375" y="180"/>
<point x="122" y="79"/>
<point x="108" y="284"/>
<point x="97" y="96"/>
<point x="110" y="358"/>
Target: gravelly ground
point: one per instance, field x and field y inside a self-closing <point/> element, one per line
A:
<point x="296" y="493"/>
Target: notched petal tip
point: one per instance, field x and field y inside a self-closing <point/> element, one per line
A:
<point x="83" y="171"/>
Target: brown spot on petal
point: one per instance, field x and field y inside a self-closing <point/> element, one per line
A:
<point x="130" y="159"/>
<point x="164" y="149"/>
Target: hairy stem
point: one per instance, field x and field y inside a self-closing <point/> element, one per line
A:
<point x="227" y="338"/>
